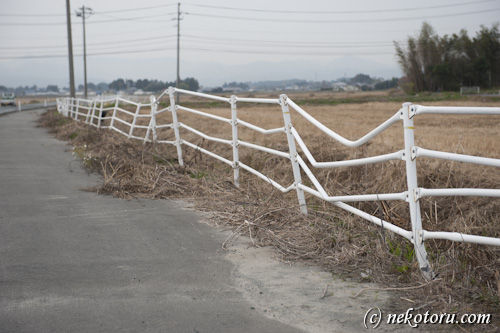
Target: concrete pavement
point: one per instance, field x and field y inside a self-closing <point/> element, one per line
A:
<point x="73" y="261"/>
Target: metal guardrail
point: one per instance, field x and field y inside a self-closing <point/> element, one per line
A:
<point x="92" y="111"/>
<point x="25" y="107"/>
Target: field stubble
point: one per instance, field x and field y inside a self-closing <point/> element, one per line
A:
<point x="468" y="274"/>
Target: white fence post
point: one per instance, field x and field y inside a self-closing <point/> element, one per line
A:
<point x="413" y="201"/>
<point x="137" y="110"/>
<point x="114" y="113"/>
<point x="293" y="153"/>
<point x="69" y="107"/>
<point x="236" y="156"/>
<point x="90" y="112"/>
<point x="65" y="107"/>
<point x="77" y="108"/>
<point x="19" y="105"/>
<point x="152" y="123"/>
<point x="99" y="121"/>
<point x="173" y="109"/>
<point x="152" y="120"/>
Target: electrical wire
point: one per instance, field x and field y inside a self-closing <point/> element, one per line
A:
<point x="287" y="53"/>
<point x="283" y="45"/>
<point x="274" y="20"/>
<point x="239" y="51"/>
<point x="281" y="11"/>
<point x="88" y="44"/>
<point x="282" y="42"/>
<point x="98" y="12"/>
<point x="135" y="9"/>
<point x="88" y="55"/>
<point x="136" y="19"/>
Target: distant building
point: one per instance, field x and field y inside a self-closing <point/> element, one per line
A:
<point x="232" y="89"/>
<point x="342" y="86"/>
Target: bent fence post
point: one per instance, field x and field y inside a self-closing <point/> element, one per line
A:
<point x="114" y="113"/>
<point x="152" y="123"/>
<point x="137" y="110"/>
<point x="234" y="126"/>
<point x="77" y="109"/>
<point x="411" y="179"/>
<point x="90" y="112"/>
<point x="173" y="109"/>
<point x="293" y="153"/>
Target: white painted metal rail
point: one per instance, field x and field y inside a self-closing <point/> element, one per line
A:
<point x="95" y="112"/>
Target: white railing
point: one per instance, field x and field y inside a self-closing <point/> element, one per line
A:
<point x="93" y="111"/>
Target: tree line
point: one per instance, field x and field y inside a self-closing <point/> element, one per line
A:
<point x="154" y="85"/>
<point x="433" y="63"/>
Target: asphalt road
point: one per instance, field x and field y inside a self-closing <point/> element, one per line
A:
<point x="74" y="261"/>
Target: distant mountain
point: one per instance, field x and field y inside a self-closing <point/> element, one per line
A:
<point x="212" y="74"/>
<point x="55" y="71"/>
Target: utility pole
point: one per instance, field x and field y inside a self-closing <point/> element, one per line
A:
<point x="83" y="13"/>
<point x="178" y="47"/>
<point x="70" y="52"/>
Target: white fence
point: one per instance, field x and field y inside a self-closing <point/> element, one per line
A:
<point x="93" y="111"/>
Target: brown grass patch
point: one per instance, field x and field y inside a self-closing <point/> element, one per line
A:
<point x="468" y="274"/>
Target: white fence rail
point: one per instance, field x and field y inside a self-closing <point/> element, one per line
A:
<point x="95" y="111"/>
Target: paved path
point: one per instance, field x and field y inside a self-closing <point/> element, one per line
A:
<point x="73" y="261"/>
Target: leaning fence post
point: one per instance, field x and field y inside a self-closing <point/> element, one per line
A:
<point x="71" y="106"/>
<point x="68" y="107"/>
<point x="137" y="110"/>
<point x="114" y="113"/>
<point x="293" y="153"/>
<point x="99" y="120"/>
<point x="77" y="108"/>
<point x="236" y="156"/>
<point x="413" y="199"/>
<point x="90" y="112"/>
<point x="176" y="124"/>
<point x="152" y="123"/>
<point x="65" y="107"/>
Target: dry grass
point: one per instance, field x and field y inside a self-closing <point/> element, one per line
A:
<point x="468" y="274"/>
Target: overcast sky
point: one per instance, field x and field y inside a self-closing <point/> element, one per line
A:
<point x="222" y="40"/>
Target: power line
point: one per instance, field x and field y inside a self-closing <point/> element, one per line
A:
<point x="290" y="46"/>
<point x="88" y="55"/>
<point x="133" y="18"/>
<point x="136" y="19"/>
<point x="300" y="43"/>
<point x="238" y="51"/>
<point x="274" y="20"/>
<point x="99" y="12"/>
<point x="281" y="11"/>
<point x="101" y="48"/>
<point x="91" y="44"/>
<point x="136" y="9"/>
<point x="286" y="53"/>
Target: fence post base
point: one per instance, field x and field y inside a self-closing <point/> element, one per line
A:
<point x="413" y="201"/>
<point x="293" y="153"/>
<point x="234" y="127"/>
<point x="175" y="122"/>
